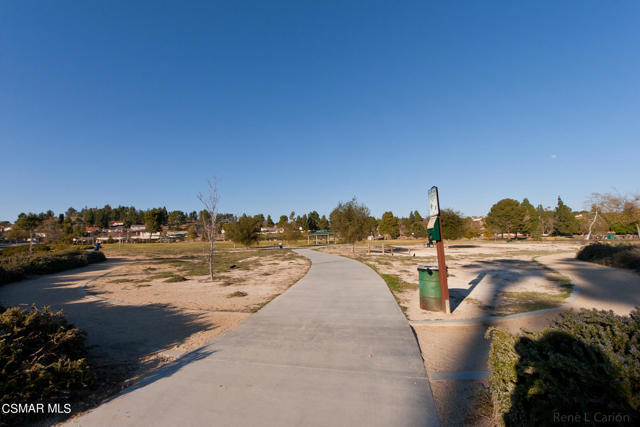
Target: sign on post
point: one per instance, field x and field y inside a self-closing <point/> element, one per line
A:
<point x="435" y="229"/>
<point x="434" y="203"/>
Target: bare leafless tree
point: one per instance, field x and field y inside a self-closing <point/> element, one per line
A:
<point x="617" y="208"/>
<point x="210" y="202"/>
<point x="595" y="218"/>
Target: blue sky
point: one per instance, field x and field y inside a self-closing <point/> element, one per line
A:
<point x="298" y="105"/>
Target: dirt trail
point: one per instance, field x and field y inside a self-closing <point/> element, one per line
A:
<point x="602" y="287"/>
<point x="454" y="352"/>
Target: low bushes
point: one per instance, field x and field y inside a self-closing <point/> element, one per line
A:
<point x="19" y="267"/>
<point x="620" y="255"/>
<point x="53" y="247"/>
<point x="42" y="358"/>
<point x="586" y="364"/>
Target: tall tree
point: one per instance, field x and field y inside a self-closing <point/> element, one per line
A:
<point x="350" y="220"/>
<point x="291" y="232"/>
<point x="621" y="213"/>
<point x="302" y="222"/>
<point x="323" y="223"/>
<point x="283" y="220"/>
<point x="372" y="226"/>
<point x="88" y="217"/>
<point x="546" y="220"/>
<point x="566" y="223"/>
<point x="260" y="220"/>
<point x="531" y="222"/>
<point x="453" y="224"/>
<point x="245" y="231"/>
<point x="312" y="221"/>
<point x="71" y="213"/>
<point x="153" y="221"/>
<point x="506" y="216"/>
<point x="177" y="218"/>
<point x="210" y="202"/>
<point x="389" y="225"/>
<point x="270" y="222"/>
<point x="28" y="223"/>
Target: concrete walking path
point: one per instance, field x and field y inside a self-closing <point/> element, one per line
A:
<point x="333" y="350"/>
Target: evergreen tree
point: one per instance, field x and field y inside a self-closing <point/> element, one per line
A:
<point x="453" y="224"/>
<point x="350" y="221"/>
<point x="418" y="229"/>
<point x="323" y="223"/>
<point x="153" y="219"/>
<point x="565" y="223"/>
<point x="244" y="231"/>
<point x="177" y="218"/>
<point x="389" y="225"/>
<point x="27" y="223"/>
<point x="531" y="220"/>
<point x="506" y="216"/>
<point x="312" y="220"/>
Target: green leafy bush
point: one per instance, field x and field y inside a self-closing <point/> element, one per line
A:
<point x="42" y="248"/>
<point x="42" y="358"/>
<point x="24" y="249"/>
<point x="588" y="362"/>
<point x="15" y="268"/>
<point x="620" y="256"/>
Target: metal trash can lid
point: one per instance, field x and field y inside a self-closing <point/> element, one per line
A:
<point x="429" y="268"/>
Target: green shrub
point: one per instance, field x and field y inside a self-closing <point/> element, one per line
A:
<point x="24" y="249"/>
<point x="620" y="255"/>
<point x="15" y="268"/>
<point x="42" y="358"/>
<point x="41" y="248"/>
<point x="586" y="363"/>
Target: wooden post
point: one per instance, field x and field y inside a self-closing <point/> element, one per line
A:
<point x="369" y="248"/>
<point x="442" y="270"/>
<point x="391" y="250"/>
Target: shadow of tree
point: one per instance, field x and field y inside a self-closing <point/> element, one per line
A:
<point x="117" y="334"/>
<point x="502" y="272"/>
<point x="123" y="340"/>
<point x="457" y="295"/>
<point x="563" y="381"/>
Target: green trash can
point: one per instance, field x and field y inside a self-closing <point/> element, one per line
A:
<point x="430" y="295"/>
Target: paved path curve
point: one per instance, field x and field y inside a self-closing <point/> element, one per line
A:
<point x="334" y="350"/>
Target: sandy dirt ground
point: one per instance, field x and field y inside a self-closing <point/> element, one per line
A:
<point x="128" y="334"/>
<point x="143" y="282"/>
<point x="449" y="351"/>
<point x="485" y="278"/>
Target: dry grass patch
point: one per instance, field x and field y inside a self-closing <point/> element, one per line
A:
<point x="182" y="281"/>
<point x="520" y="302"/>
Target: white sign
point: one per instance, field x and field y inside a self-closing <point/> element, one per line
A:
<point x="434" y="203"/>
<point x="432" y="222"/>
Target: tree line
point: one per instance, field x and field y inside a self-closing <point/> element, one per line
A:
<point x="607" y="213"/>
<point x="620" y="214"/>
